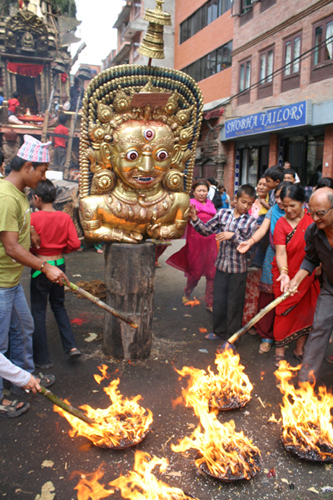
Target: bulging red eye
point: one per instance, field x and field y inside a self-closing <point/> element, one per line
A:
<point x="162" y="155"/>
<point x="132" y="155"/>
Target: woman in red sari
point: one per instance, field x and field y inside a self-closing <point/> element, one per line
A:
<point x="294" y="316"/>
<point x="197" y="258"/>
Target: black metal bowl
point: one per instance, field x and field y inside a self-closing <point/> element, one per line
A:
<point x="124" y="444"/>
<point x="203" y="466"/>
<point x="311" y="456"/>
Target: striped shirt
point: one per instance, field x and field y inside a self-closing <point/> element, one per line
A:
<point x="229" y="260"/>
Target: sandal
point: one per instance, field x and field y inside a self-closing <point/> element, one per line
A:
<point x="277" y="360"/>
<point x="265" y="347"/>
<point x="222" y="348"/>
<point x="44" y="380"/>
<point x="212" y="336"/>
<point x="185" y="300"/>
<point x="75" y="353"/>
<point x="12" y="410"/>
<point x="299" y="357"/>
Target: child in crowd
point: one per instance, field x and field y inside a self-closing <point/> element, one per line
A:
<point x="273" y="175"/>
<point x="57" y="237"/>
<point x="59" y="158"/>
<point x="13" y="104"/>
<point x="233" y="226"/>
<point x="289" y="175"/>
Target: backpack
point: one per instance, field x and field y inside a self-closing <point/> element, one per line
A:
<point x="217" y="200"/>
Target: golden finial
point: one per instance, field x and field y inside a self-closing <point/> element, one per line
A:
<point x="152" y="45"/>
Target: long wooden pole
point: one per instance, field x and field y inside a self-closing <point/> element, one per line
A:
<point x="102" y="304"/>
<point x="69" y="408"/>
<point x="258" y="316"/>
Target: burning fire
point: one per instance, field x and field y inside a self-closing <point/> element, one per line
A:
<point x="192" y="303"/>
<point x="306" y="417"/>
<point x="139" y="484"/>
<point x="229" y="388"/>
<point x="124" y="423"/>
<point x="224" y="453"/>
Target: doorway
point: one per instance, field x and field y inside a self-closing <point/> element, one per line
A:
<point x="26" y="87"/>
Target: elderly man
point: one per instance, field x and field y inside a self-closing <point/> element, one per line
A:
<point x="319" y="249"/>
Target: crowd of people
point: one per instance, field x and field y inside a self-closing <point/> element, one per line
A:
<point x="268" y="240"/>
<point x="37" y="241"/>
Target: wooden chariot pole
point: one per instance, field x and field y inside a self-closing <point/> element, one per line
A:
<point x="130" y="285"/>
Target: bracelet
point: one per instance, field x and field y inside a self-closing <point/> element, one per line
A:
<point x="285" y="269"/>
<point x="41" y="267"/>
<point x="253" y="239"/>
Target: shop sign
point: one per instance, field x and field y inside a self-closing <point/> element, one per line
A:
<point x="293" y="115"/>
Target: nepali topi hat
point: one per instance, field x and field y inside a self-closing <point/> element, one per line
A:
<point x="34" y="150"/>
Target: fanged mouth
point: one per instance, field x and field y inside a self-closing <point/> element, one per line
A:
<point x="144" y="179"/>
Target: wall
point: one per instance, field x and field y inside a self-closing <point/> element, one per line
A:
<point x="286" y="12"/>
<point x="214" y="35"/>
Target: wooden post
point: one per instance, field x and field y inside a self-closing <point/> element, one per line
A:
<point x="130" y="284"/>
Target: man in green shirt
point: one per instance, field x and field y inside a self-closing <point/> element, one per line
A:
<point x="28" y="168"/>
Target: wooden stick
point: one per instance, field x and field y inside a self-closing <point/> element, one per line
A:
<point x="69" y="408"/>
<point x="102" y="304"/>
<point x="258" y="316"/>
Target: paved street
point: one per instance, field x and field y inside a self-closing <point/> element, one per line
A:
<point x="41" y="435"/>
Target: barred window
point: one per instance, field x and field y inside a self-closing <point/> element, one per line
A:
<point x="208" y="13"/>
<point x="215" y="61"/>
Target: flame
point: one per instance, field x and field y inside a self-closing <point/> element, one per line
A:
<point x="202" y="330"/>
<point x="229" y="388"/>
<point x="122" y="424"/>
<point x="226" y="454"/>
<point x="139" y="484"/>
<point x="89" y="488"/>
<point x="306" y="417"/>
<point x="192" y="303"/>
<point x="103" y="369"/>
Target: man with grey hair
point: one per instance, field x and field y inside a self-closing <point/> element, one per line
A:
<point x="319" y="250"/>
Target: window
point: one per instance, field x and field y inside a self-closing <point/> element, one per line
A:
<point x="322" y="66"/>
<point x="246" y="11"/>
<point x="215" y="61"/>
<point x="137" y="8"/>
<point x="244" y="81"/>
<point x="323" y="42"/>
<point x="245" y="75"/>
<point x="266" y="66"/>
<point x="291" y="62"/>
<point x="246" y="5"/>
<point x="208" y="13"/>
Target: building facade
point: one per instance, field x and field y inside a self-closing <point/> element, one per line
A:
<point x="131" y="29"/>
<point x="282" y="89"/>
<point x="203" y="47"/>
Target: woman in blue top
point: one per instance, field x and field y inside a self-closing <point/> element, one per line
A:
<point x="264" y="327"/>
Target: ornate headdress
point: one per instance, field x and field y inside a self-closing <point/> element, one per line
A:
<point x="129" y="92"/>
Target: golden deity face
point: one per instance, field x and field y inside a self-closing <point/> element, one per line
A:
<point x="142" y="153"/>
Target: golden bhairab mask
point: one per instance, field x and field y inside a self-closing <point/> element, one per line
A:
<point x="140" y="126"/>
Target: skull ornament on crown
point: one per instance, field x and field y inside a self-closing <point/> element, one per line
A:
<point x="139" y="131"/>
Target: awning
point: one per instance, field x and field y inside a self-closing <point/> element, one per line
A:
<point x="216" y="113"/>
<point x="31" y="70"/>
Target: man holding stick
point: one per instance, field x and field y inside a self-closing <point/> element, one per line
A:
<point x="27" y="169"/>
<point x="319" y="250"/>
